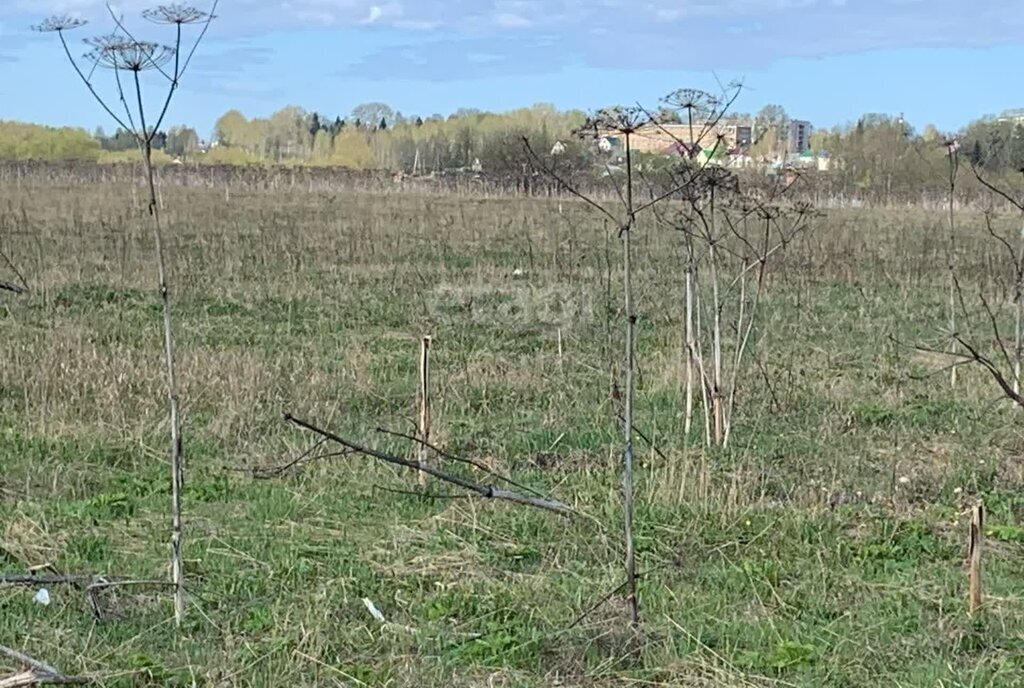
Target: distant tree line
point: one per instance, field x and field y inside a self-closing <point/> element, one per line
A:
<point x="878" y="157"/>
<point x="883" y="157"/>
<point x="20" y="141"/>
<point x="374" y="136"/>
<point x="178" y="142"/>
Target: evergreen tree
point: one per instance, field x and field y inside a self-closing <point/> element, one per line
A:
<point x="977" y="155"/>
<point x="120" y="141"/>
<point x="1017" y="148"/>
<point x="383" y="126"/>
<point x="181" y="142"/>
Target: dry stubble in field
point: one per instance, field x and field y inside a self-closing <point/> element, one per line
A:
<point x="795" y="557"/>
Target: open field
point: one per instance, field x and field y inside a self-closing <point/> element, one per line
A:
<point x="796" y="557"/>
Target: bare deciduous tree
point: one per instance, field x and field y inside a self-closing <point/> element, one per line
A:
<point x="1015" y="258"/>
<point x="968" y="346"/>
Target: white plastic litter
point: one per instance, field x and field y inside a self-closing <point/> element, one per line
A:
<point x="372" y="608"/>
<point x="42" y="597"/>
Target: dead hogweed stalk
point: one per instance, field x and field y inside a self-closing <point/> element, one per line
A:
<point x="625" y="124"/>
<point x="128" y="59"/>
<point x="731" y="238"/>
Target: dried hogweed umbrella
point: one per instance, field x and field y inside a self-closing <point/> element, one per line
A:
<point x="118" y="52"/>
<point x="122" y="52"/>
<point x="176" y="13"/>
<point x="58" y="23"/>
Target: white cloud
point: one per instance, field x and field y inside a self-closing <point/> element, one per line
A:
<point x="375" y="14"/>
<point x="510" y="20"/>
<point x="669" y="33"/>
<point x="473" y="14"/>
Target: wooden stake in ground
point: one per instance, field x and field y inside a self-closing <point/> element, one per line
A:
<point x="977" y="534"/>
<point x="424" y="425"/>
<point x="561" y="365"/>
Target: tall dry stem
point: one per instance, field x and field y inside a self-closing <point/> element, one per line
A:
<point x="1018" y="300"/>
<point x="123" y="54"/>
<point x="954" y="166"/>
<point x="690" y="334"/>
<point x="630" y="383"/>
<point x="424" y="404"/>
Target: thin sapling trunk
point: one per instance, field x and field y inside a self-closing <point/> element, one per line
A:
<point x="717" y="405"/>
<point x="627" y="429"/>
<point x="1018" y="300"/>
<point x="953" y="349"/>
<point x="690" y="333"/>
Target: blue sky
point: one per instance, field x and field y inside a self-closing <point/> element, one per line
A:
<point x="937" y="61"/>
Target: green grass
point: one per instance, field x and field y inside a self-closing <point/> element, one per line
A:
<point x="795" y="557"/>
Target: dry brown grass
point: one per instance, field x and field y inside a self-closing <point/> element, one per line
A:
<point x="315" y="303"/>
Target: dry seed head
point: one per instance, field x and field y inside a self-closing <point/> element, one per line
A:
<point x="621" y="120"/>
<point x="58" y="23"/>
<point x="768" y="212"/>
<point x="117" y="52"/>
<point x="176" y="13"/>
<point x="719" y="178"/>
<point x="694" y="100"/>
<point x="805" y="209"/>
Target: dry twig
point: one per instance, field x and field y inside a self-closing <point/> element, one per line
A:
<point x="40" y="672"/>
<point x="487" y="491"/>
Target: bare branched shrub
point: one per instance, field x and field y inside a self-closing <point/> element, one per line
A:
<point x="692" y="183"/>
<point x="6" y="284"/>
<point x="968" y="345"/>
<point x="731" y="238"/>
<point x="702" y="112"/>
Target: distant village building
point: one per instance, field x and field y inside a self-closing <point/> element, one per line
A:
<point x="728" y="142"/>
<point x="727" y="137"/>
<point x="1014" y="116"/>
<point x="799" y="139"/>
<point x="665" y="139"/>
<point x="741" y="135"/>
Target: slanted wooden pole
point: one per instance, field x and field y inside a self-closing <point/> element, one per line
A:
<point x="424" y="398"/>
<point x="977" y="535"/>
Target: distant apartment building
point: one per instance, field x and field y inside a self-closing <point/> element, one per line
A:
<point x="678" y="138"/>
<point x="738" y="135"/>
<point x="1015" y="116"/>
<point x="799" y="138"/>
